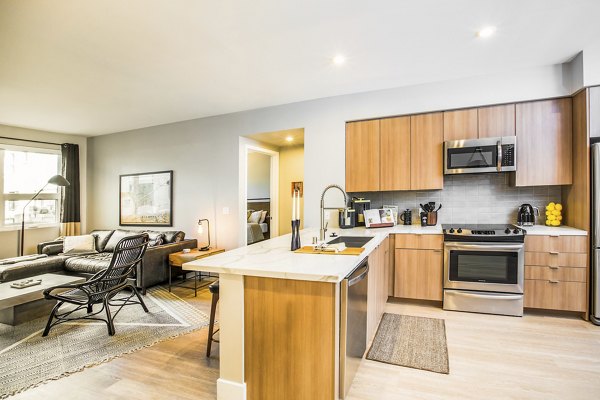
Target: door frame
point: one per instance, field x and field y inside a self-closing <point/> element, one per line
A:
<point x="247" y="145"/>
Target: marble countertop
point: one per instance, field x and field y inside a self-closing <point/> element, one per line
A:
<point x="273" y="259"/>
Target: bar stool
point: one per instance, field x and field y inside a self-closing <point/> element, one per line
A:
<point x="214" y="289"/>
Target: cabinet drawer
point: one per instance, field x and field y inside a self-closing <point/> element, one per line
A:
<point x="562" y="244"/>
<point x="567" y="296"/>
<point x="419" y="242"/>
<point x="568" y="274"/>
<point x="556" y="259"/>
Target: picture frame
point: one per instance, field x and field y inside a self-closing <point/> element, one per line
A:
<point x="298" y="186"/>
<point x="146" y="199"/>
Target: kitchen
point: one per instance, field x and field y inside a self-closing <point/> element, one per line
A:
<point x="399" y="161"/>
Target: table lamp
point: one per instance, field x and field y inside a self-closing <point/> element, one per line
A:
<point x="57" y="180"/>
<point x="201" y="231"/>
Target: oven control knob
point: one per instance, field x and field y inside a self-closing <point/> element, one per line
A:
<point x="517" y="230"/>
<point x="507" y="230"/>
<point x="451" y="230"/>
<point x="459" y="230"/>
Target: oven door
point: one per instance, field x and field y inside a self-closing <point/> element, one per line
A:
<point x="488" y="267"/>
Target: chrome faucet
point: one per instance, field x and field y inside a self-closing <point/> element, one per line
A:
<point x="323" y="208"/>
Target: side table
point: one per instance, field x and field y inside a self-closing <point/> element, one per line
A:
<point x="179" y="258"/>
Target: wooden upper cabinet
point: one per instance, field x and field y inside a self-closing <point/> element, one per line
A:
<point x="362" y="156"/>
<point x="544" y="143"/>
<point x="496" y="121"/>
<point x="426" y="143"/>
<point x="395" y="153"/>
<point x="460" y="124"/>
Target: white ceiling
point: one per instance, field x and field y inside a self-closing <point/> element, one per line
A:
<point x="100" y="66"/>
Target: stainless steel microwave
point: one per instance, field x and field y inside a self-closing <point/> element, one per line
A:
<point x="480" y="155"/>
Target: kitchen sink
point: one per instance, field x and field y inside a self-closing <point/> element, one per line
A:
<point x="352" y="241"/>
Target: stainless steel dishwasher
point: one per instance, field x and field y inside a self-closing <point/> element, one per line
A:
<point x="353" y="323"/>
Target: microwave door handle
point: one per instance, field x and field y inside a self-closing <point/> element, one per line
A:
<point x="499" y="158"/>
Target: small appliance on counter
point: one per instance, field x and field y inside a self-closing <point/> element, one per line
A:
<point x="429" y="215"/>
<point x="347" y="218"/>
<point x="526" y="215"/>
<point x="359" y="205"/>
<point x="406" y="217"/>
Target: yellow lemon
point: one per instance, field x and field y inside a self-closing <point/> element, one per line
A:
<point x="548" y="222"/>
<point x="555" y="212"/>
<point x="551" y="217"/>
<point x="558" y="206"/>
<point x="550" y="207"/>
<point x="555" y="223"/>
<point x="548" y="212"/>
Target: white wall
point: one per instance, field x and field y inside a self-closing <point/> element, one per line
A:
<point x="259" y="175"/>
<point x="204" y="152"/>
<point x="591" y="64"/>
<point x="9" y="246"/>
<point x="291" y="169"/>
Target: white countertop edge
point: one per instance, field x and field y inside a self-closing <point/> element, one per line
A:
<point x="543" y="230"/>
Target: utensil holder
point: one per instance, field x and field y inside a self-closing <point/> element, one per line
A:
<point x="432" y="218"/>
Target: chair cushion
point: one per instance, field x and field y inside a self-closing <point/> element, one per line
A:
<point x="116" y="237"/>
<point x="89" y="264"/>
<point x="174" y="236"/>
<point x="102" y="238"/>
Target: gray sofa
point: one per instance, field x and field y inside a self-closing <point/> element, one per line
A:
<point x="153" y="270"/>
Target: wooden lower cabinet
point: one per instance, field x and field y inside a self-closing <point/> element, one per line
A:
<point x="289" y="331"/>
<point x="418" y="274"/>
<point x="378" y="287"/>
<point x="555" y="295"/>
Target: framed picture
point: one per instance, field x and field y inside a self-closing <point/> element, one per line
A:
<point x="297" y="186"/>
<point x="146" y="199"/>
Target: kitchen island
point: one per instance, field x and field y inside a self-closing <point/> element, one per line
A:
<point x="279" y="314"/>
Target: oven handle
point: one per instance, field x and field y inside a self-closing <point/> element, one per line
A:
<point x="494" y="247"/>
<point x="499" y="158"/>
<point x="492" y="296"/>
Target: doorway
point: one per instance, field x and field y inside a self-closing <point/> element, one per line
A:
<point x="271" y="164"/>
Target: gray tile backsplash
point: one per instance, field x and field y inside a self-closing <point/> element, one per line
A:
<point x="471" y="199"/>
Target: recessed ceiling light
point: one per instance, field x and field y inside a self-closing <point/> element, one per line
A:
<point x="486" y="31"/>
<point x="289" y="139"/>
<point x="339" y="59"/>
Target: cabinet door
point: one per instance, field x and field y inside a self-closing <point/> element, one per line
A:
<point x="395" y="153"/>
<point x="426" y="143"/>
<point x="362" y="156"/>
<point x="496" y="121"/>
<point x="544" y="143"/>
<point x="418" y="274"/>
<point x="460" y="124"/>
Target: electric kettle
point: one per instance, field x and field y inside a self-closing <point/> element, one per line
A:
<point x="526" y="215"/>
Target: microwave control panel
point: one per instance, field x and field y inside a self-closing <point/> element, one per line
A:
<point x="508" y="155"/>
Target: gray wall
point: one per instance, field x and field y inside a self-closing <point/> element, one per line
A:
<point x="9" y="246"/>
<point x="204" y="153"/>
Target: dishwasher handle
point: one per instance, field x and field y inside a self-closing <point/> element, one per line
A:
<point x="358" y="274"/>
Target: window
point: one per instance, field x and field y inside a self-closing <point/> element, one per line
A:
<point x="24" y="171"/>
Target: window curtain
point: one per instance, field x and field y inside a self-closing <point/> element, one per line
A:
<point x="70" y="216"/>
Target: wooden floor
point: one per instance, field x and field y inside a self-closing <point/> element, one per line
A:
<point x="491" y="357"/>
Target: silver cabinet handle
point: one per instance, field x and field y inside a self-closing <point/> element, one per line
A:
<point x="552" y="281"/>
<point x="554" y="253"/>
<point x="437" y="251"/>
<point x="553" y="267"/>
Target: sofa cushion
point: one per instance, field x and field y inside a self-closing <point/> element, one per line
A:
<point x="88" y="264"/>
<point x="155" y="238"/>
<point x="116" y="237"/>
<point x="102" y="238"/>
<point x="52" y="249"/>
<point x="174" y="236"/>
<point x="27" y="269"/>
<point x="81" y="244"/>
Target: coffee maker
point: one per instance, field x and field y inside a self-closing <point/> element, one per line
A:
<point x="526" y="215"/>
<point x="359" y="205"/>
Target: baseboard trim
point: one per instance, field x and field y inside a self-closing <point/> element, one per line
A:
<point x="229" y="390"/>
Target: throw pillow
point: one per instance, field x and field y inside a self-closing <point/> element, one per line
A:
<point x="116" y="238"/>
<point x="248" y="214"/>
<point x="263" y="216"/>
<point x="102" y="238"/>
<point x="83" y="244"/>
<point x="255" y="217"/>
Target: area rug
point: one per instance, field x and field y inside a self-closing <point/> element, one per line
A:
<point x="27" y="359"/>
<point x="414" y="342"/>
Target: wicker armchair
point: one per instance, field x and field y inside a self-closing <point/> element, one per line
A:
<point x="102" y="288"/>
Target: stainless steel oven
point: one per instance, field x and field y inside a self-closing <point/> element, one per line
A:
<point x="480" y="155"/>
<point x="484" y="277"/>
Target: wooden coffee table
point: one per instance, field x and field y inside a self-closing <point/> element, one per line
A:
<point x="180" y="258"/>
<point x="21" y="305"/>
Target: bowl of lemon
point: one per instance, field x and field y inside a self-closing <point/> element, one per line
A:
<point x="554" y="214"/>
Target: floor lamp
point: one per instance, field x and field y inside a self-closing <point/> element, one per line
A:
<point x="57" y="180"/>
